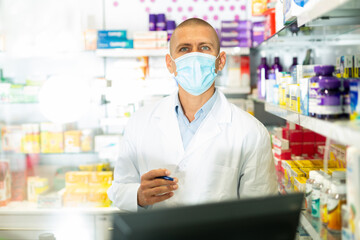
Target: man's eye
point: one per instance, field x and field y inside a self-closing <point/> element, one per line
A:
<point x="184" y="49"/>
<point x="206" y="48"/>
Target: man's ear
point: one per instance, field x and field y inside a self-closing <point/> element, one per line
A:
<point x="220" y="62"/>
<point x="170" y="64"/>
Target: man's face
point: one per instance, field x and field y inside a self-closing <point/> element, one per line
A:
<point x="193" y="39"/>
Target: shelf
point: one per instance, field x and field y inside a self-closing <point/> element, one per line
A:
<point x="336" y="22"/>
<point x="315" y="229"/>
<point x="316" y="9"/>
<point x="235" y="90"/>
<point x="345" y="132"/>
<point x="122" y="52"/>
<point x="25" y="208"/>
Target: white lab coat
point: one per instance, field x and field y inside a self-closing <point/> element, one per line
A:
<point x="228" y="157"/>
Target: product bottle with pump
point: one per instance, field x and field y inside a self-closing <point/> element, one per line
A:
<point x="262" y="72"/>
<point x="276" y="67"/>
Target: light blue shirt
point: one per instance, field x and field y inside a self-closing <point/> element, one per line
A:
<point x="188" y="129"/>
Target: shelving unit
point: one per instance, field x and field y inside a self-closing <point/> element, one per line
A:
<point x="237" y="90"/>
<point x="345" y="132"/>
<point x="318" y="9"/>
<point x="122" y="52"/>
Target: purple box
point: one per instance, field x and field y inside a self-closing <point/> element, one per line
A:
<point x="258" y="26"/>
<point x="236" y="25"/>
<point x="236" y="43"/>
<point x="258" y="39"/>
<point x="232" y="34"/>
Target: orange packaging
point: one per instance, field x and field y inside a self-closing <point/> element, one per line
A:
<point x="258" y="7"/>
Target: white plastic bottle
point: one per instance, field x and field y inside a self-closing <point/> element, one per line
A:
<point x="315" y="196"/>
<point x="336" y="199"/>
<point x="308" y="189"/>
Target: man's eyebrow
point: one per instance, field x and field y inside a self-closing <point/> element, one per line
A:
<point x="204" y="43"/>
<point x="183" y="45"/>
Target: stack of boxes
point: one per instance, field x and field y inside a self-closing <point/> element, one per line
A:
<point x="45" y="138"/>
<point x="236" y="34"/>
<point x="258" y="33"/>
<point x="150" y="40"/>
<point x="158" y="22"/>
<point x="113" y="39"/>
<point x="294" y="141"/>
<point x="297" y="151"/>
<point x="87" y="189"/>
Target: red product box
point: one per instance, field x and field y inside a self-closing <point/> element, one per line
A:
<point x="308" y="149"/>
<point x="320" y="138"/>
<point x="293" y="126"/>
<point x="296" y="136"/>
<point x="296" y="148"/>
<point x="308" y="136"/>
<point x="282" y="154"/>
<point x="285" y="133"/>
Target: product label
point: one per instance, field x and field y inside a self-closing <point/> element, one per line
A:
<point x="315" y="203"/>
<point x="313" y="92"/>
<point x="354" y="97"/>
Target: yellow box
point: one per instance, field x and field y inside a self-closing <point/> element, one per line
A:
<point x="103" y="179"/>
<point x="337" y="154"/>
<point x="299" y="184"/>
<point x="76" y="179"/>
<point x="36" y="186"/>
<point x="97" y="197"/>
<point x="75" y="197"/>
<point x="72" y="141"/>
<point x="86" y="140"/>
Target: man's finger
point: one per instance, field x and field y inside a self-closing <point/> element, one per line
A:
<point x="155" y="173"/>
<point x="163" y="189"/>
<point x="158" y="182"/>
<point x="161" y="198"/>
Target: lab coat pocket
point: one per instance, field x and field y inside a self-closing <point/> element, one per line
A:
<point x="219" y="183"/>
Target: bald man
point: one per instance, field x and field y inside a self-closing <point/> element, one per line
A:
<point x="194" y="146"/>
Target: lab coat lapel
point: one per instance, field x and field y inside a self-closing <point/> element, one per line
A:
<point x="210" y="127"/>
<point x="169" y="126"/>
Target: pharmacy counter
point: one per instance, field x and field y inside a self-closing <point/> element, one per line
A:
<point x="22" y="220"/>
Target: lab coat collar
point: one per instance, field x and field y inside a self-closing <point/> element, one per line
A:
<point x="209" y="128"/>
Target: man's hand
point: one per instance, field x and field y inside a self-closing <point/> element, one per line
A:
<point x="153" y="190"/>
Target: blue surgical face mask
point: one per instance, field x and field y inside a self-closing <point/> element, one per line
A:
<point x="195" y="72"/>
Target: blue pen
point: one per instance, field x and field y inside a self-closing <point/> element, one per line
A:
<point x="166" y="178"/>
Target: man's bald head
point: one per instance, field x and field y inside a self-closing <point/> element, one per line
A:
<point x="194" y="22"/>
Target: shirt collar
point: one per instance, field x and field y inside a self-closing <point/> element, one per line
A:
<point x="204" y="109"/>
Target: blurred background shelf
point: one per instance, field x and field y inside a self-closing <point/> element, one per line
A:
<point x="118" y="52"/>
